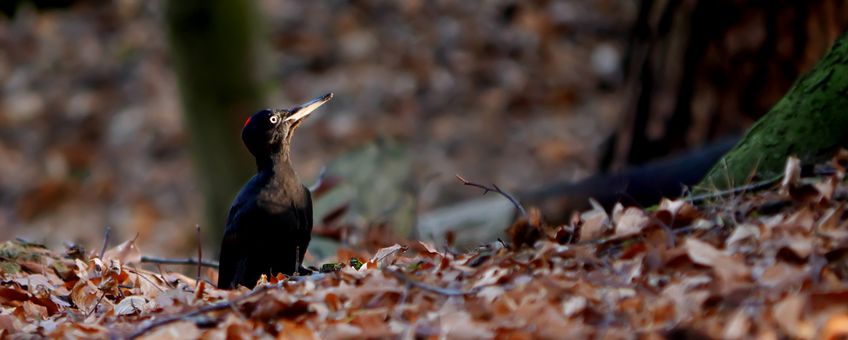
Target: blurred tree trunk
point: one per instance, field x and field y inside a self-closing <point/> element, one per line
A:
<point x="702" y="69"/>
<point x="810" y="122"/>
<point x="214" y="47"/>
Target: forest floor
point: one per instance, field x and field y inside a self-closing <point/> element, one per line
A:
<point x="763" y="264"/>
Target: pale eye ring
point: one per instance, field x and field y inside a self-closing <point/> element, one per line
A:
<point x="274" y="119"/>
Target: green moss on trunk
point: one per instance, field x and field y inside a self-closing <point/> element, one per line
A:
<point x="811" y="122"/>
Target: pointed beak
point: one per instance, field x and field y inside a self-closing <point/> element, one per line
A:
<point x="300" y="112"/>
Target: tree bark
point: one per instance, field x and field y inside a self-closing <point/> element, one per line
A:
<point x="698" y="70"/>
<point x="214" y="48"/>
<point x="810" y="122"/>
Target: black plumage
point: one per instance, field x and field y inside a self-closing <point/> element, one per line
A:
<point x="270" y="222"/>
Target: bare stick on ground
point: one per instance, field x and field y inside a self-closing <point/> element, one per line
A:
<point x="105" y="240"/>
<point x="199" y="252"/>
<point x="756" y="186"/>
<point x="102" y="295"/>
<point x="185" y="262"/>
<point x="494" y="188"/>
<point x="423" y="286"/>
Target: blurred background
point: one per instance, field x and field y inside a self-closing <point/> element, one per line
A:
<point x="127" y="113"/>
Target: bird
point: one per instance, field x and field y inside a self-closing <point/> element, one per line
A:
<point x="269" y="224"/>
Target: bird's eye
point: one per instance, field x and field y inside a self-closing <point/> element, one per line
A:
<point x="274" y="119"/>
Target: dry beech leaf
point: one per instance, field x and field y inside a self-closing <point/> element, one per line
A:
<point x="595" y="223"/>
<point x="705" y="254"/>
<point x="835" y="328"/>
<point x="789" y="313"/>
<point x="803" y="220"/>
<point x="459" y="325"/>
<point x="677" y="212"/>
<point x="175" y="331"/>
<point x="802" y="247"/>
<point x="126" y="253"/>
<point x="34" y="311"/>
<point x="738" y="326"/>
<point x="791" y="174"/>
<point x="12" y="294"/>
<point x="573" y="305"/>
<point x="387" y="255"/>
<point x="429" y="248"/>
<point x="741" y="233"/>
<point x="781" y="275"/>
<point x="85" y="295"/>
<point x="617" y="209"/>
<point x="631" y="222"/>
<point x="827" y="188"/>
<point x="131" y="305"/>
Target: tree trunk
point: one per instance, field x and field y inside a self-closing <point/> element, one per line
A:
<point x="698" y="70"/>
<point x="810" y="122"/>
<point x="214" y="47"/>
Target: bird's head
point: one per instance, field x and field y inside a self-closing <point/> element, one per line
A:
<point x="269" y="131"/>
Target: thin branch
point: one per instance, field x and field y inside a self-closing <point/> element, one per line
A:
<point x="199" y="253"/>
<point x="187" y="262"/>
<point x="105" y="240"/>
<point x="102" y="295"/>
<point x="297" y="260"/>
<point x="494" y="188"/>
<point x="315" y="185"/>
<point x="162" y="275"/>
<point x="734" y="191"/>
<point x="136" y="272"/>
<point x="423" y="286"/>
<point x="205" y="309"/>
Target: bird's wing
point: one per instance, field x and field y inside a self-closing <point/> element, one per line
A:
<point x="308" y="235"/>
<point x="231" y="252"/>
<point x="308" y="209"/>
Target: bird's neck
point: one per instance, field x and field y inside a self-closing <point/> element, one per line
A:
<point x="276" y="164"/>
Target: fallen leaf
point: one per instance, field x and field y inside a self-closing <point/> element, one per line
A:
<point x="85" y="295"/>
<point x="791" y="174"/>
<point x="175" y="331"/>
<point x="34" y="311"/>
<point x="595" y="224"/>
<point x="705" y="254"/>
<point x="574" y="305"/>
<point x="789" y="312"/>
<point x="429" y="248"/>
<point x="131" y="305"/>
<point x="835" y="328"/>
<point x="126" y="253"/>
<point x="631" y="222"/>
<point x="387" y="255"/>
<point x="738" y="326"/>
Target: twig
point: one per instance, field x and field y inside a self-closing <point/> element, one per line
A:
<point x="199" y="253"/>
<point x="205" y="309"/>
<point x="187" y="262"/>
<point x="496" y="189"/>
<point x="162" y="275"/>
<point x="296" y="260"/>
<point x="136" y="272"/>
<point x="433" y="289"/>
<point x="96" y="305"/>
<point x="733" y="191"/>
<point x="105" y="240"/>
<point x="315" y="185"/>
